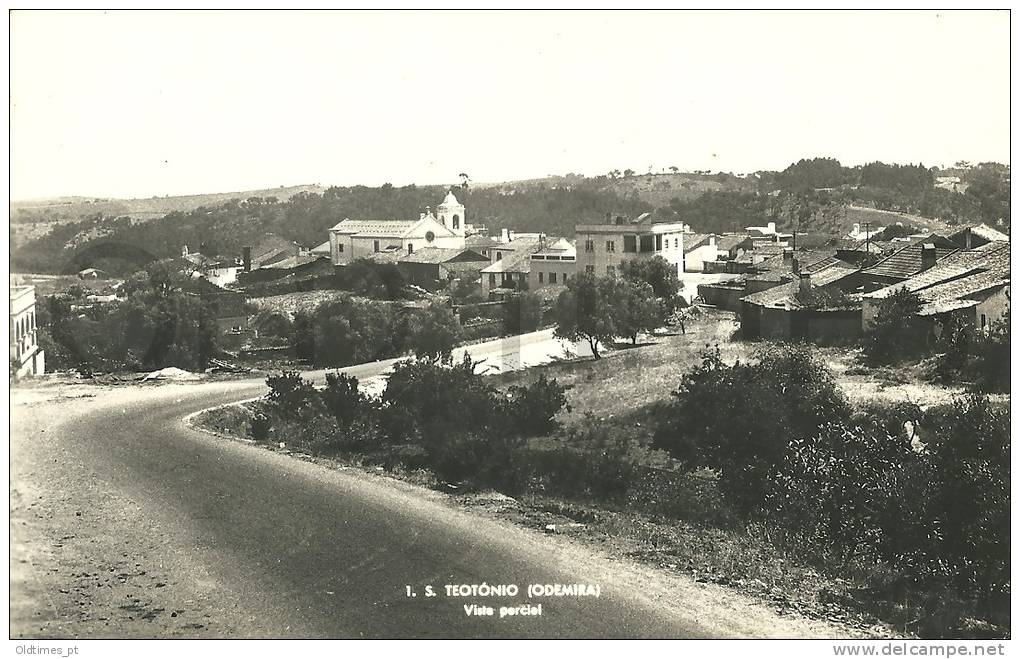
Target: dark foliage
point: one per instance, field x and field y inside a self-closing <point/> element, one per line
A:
<point x="739" y="419"/>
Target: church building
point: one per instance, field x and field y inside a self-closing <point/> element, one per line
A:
<point x="354" y="239"/>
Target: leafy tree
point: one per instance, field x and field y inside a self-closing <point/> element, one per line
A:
<point x="433" y="332"/>
<point x="659" y="273"/>
<point x="634" y="308"/>
<point x="897" y="333"/>
<point x="585" y="311"/>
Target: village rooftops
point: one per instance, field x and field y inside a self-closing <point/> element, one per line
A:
<point x="945" y="286"/>
<point x="908" y="261"/>
<point x="781" y="266"/>
<point x="784" y="296"/>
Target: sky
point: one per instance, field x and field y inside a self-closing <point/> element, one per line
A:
<point x="123" y="104"/>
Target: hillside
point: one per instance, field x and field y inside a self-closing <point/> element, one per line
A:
<point x="34" y="218"/>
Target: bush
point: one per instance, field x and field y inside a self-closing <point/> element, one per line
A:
<point x="343" y="399"/>
<point x="935" y="510"/>
<point x="593" y="461"/>
<point x="739" y="419"/>
<point x="533" y="408"/>
<point x="289" y="395"/>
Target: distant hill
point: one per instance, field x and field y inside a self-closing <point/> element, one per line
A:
<point x="34" y="218"/>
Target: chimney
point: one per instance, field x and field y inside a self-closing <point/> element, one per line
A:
<point x="711" y="241"/>
<point x="805" y="283"/>
<point x="787" y="255"/>
<point x="927" y="255"/>
<point x="772" y="227"/>
<point x="857" y="229"/>
<point x="246" y="258"/>
<point x="795" y="265"/>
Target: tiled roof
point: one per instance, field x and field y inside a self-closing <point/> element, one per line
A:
<point x="983" y="230"/>
<point x="777" y="267"/>
<point x="992" y="256"/>
<point x="785" y="295"/>
<point x="375" y="227"/>
<point x="519" y="261"/>
<point x="694" y="240"/>
<point x="440" y="255"/>
<point x="905" y="262"/>
<point x="726" y="242"/>
<point x="478" y="240"/>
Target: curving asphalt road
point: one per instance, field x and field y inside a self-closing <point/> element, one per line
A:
<point x="127" y="522"/>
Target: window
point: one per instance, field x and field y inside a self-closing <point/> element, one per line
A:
<point x="340" y="247"/>
<point x="499" y="255"/>
<point x="492" y="279"/>
<point x="658" y="243"/>
<point x="630" y="243"/>
<point x="589" y="245"/>
<point x="456" y="221"/>
<point x="541" y="277"/>
<point x="984" y="323"/>
<point x="611" y="270"/>
<point x="610" y="246"/>
<point x="564" y="278"/>
<point x="647" y="243"/>
<point x="552" y="277"/>
<point x="376" y="245"/>
<point x="410" y="248"/>
<point x="590" y="269"/>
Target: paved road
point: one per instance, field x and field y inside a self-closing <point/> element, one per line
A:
<point x="128" y="522"/>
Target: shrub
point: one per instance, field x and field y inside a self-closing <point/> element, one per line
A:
<point x="591" y="460"/>
<point x="533" y="408"/>
<point x="342" y="398"/>
<point x="738" y="419"/>
<point x="289" y="395"/>
<point x="937" y="510"/>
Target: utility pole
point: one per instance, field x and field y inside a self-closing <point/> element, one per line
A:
<point x="867" y="241"/>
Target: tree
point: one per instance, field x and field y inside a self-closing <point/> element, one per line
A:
<point x="628" y="173"/>
<point x="433" y="332"/>
<point x="634" y="308"/>
<point x="897" y="333"/>
<point x="659" y="273"/>
<point x="674" y="169"/>
<point x="584" y="311"/>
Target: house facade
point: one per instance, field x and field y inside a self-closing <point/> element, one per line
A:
<point x="446" y="228"/>
<point x="553" y="264"/>
<point x="602" y="248"/>
<point x="27" y="358"/>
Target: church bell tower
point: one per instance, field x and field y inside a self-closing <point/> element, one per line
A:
<point x="451" y="214"/>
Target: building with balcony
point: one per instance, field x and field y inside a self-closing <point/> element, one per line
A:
<point x="601" y="248"/>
